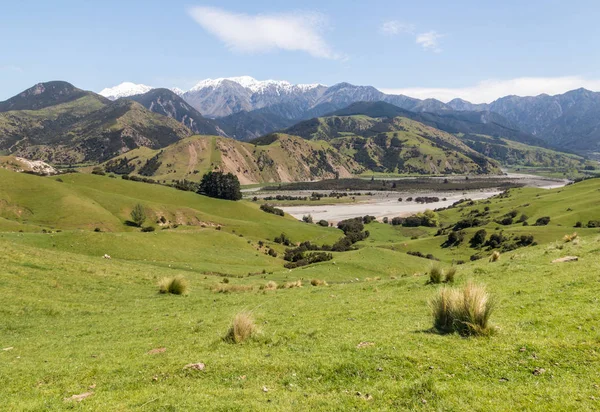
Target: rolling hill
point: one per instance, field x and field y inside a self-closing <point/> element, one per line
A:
<point x="282" y="158"/>
<point x="395" y="145"/>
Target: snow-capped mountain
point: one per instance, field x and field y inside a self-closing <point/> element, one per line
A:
<point x="124" y="89"/>
<point x="177" y="91"/>
<point x="224" y="96"/>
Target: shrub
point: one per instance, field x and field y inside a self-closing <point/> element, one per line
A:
<point x="148" y="229"/>
<point x="593" y="223"/>
<point x="318" y="282"/>
<point x="478" y="238"/>
<point x="385" y="220"/>
<point x="138" y="215"/>
<point x="283" y="239"/>
<point x="542" y="221"/>
<point x="466" y="310"/>
<point x="242" y="328"/>
<point x="436" y="274"/>
<point x="323" y="223"/>
<point x="307" y="219"/>
<point x="495" y="256"/>
<point x="578" y="224"/>
<point x="570" y="238"/>
<point x="271" y="209"/>
<point x="176" y="286"/>
<point x="272" y="252"/>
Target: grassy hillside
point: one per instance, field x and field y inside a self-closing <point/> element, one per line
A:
<point x="282" y="159"/>
<point x="74" y="323"/>
<point x="511" y="153"/>
<point x="395" y="145"/>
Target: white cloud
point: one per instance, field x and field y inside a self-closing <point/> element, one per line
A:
<point x="430" y="41"/>
<point x="299" y="31"/>
<point x="489" y="90"/>
<point x="394" y="27"/>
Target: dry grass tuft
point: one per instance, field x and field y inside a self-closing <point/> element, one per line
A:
<point x="318" y="282"/>
<point x="270" y="285"/>
<point x="570" y="238"/>
<point x="291" y="285"/>
<point x="176" y="286"/>
<point x="495" y="256"/>
<point x="229" y="288"/>
<point x="466" y="310"/>
<point x="242" y="328"/>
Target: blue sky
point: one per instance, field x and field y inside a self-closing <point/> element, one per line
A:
<point x="477" y="50"/>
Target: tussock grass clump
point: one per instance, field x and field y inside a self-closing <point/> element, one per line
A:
<point x="176" y="286"/>
<point x="466" y="310"/>
<point x="291" y="285"/>
<point x="570" y="238"/>
<point x="270" y="285"/>
<point x="495" y="256"/>
<point x="229" y="288"/>
<point x="436" y="274"/>
<point x="242" y="328"/>
<point x="318" y="282"/>
<point x="450" y="275"/>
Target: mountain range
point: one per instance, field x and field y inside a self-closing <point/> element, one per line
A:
<point x="149" y="134"/>
<point x="246" y="108"/>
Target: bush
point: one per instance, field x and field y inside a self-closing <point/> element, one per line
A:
<point x="176" y="286"/>
<point x="593" y="223"/>
<point x="478" y="238"/>
<point x="220" y="185"/>
<point x="138" y="215"/>
<point x="578" y="224"/>
<point x="272" y="252"/>
<point x="307" y="219"/>
<point x="271" y="209"/>
<point x="323" y="223"/>
<point x="148" y="229"/>
<point x="465" y="311"/>
<point x="542" y="221"/>
<point x="242" y="328"/>
<point x="283" y="239"/>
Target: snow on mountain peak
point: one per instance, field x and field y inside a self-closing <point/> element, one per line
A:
<point x="177" y="91"/>
<point x="125" y="89"/>
<point x="255" y="86"/>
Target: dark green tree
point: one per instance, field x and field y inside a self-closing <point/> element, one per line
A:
<point x="220" y="185"/>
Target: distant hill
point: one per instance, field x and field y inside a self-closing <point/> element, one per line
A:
<point x="282" y="158"/>
<point x="168" y="103"/>
<point x="394" y="144"/>
<point x="487" y="133"/>
<point x="58" y="123"/>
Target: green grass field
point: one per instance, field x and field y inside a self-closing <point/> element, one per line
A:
<point x="75" y="323"/>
